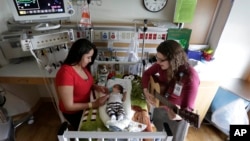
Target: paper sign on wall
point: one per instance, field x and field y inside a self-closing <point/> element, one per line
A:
<point x="184" y="11"/>
<point x="181" y="35"/>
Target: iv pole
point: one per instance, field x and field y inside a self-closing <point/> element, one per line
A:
<point x="143" y="46"/>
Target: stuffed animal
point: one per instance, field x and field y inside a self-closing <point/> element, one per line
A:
<point x="102" y="74"/>
<point x="129" y="76"/>
<point x="102" y="69"/>
<point x="141" y="116"/>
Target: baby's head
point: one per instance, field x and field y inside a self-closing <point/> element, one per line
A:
<point x="117" y="88"/>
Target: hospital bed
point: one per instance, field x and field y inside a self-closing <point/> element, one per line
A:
<point x="95" y="125"/>
<point x="228" y="109"/>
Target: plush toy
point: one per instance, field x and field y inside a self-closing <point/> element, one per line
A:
<point x="111" y="75"/>
<point x="102" y="69"/>
<point x="129" y="76"/>
<point x="102" y="75"/>
<point x="141" y="116"/>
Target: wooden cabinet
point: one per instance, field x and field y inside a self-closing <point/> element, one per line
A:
<point x="206" y="93"/>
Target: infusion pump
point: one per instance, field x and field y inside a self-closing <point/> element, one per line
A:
<point x="49" y="48"/>
<point x="47" y="39"/>
<point x="11" y="46"/>
<point x="17" y="44"/>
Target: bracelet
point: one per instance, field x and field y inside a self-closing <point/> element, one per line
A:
<point x="90" y="105"/>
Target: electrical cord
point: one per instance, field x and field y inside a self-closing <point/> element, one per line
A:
<point x="50" y="89"/>
<point x="45" y="77"/>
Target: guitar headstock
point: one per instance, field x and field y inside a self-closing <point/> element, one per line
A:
<point x="192" y="118"/>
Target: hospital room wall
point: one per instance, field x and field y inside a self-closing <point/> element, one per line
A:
<point x="120" y="11"/>
<point x="230" y="35"/>
<point x="4" y="16"/>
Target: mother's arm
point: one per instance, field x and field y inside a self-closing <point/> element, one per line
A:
<point x="65" y="93"/>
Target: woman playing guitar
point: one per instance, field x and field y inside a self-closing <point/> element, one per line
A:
<point x="180" y="82"/>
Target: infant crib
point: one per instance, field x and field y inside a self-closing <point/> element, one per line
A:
<point x="94" y="129"/>
<point x="65" y="135"/>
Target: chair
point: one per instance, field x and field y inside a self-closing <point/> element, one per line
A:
<point x="7" y="111"/>
<point x="6" y="123"/>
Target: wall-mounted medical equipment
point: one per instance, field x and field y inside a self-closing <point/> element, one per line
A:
<point x="49" y="48"/>
<point x="11" y="46"/>
<point x="47" y="39"/>
<point x="41" y="12"/>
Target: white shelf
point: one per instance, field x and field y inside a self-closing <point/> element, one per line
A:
<point x="116" y="62"/>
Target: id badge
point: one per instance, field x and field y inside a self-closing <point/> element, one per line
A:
<point x="177" y="89"/>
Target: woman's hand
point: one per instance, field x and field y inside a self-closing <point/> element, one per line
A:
<point x="100" y="101"/>
<point x="101" y="89"/>
<point x="150" y="98"/>
<point x="171" y="114"/>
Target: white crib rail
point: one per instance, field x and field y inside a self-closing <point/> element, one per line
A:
<point x="65" y="135"/>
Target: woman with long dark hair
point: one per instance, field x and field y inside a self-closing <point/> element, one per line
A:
<point x="74" y="82"/>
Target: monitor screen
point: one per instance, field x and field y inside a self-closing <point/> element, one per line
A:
<point x="40" y="10"/>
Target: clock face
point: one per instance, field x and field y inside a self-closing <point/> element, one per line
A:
<point x="154" y="5"/>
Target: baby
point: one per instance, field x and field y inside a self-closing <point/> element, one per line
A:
<point x="115" y="108"/>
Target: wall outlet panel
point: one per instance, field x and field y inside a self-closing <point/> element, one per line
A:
<point x="97" y="35"/>
<point x="126" y="35"/>
<point x="47" y="40"/>
<point x="113" y="35"/>
<point x="104" y="35"/>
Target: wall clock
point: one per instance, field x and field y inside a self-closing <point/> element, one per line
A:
<point x="154" y="5"/>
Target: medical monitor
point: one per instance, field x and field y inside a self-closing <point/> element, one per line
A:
<point x="35" y="11"/>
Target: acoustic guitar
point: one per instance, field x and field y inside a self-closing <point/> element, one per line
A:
<point x="156" y="89"/>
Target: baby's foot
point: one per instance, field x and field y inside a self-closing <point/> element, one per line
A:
<point x="113" y="117"/>
<point x="120" y="117"/>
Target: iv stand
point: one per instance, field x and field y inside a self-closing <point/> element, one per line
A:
<point x="143" y="46"/>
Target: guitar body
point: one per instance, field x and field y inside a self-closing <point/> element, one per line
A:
<point x="158" y="90"/>
<point x="156" y="87"/>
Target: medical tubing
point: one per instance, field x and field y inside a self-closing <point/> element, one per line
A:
<point x="49" y="89"/>
<point x="143" y="45"/>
